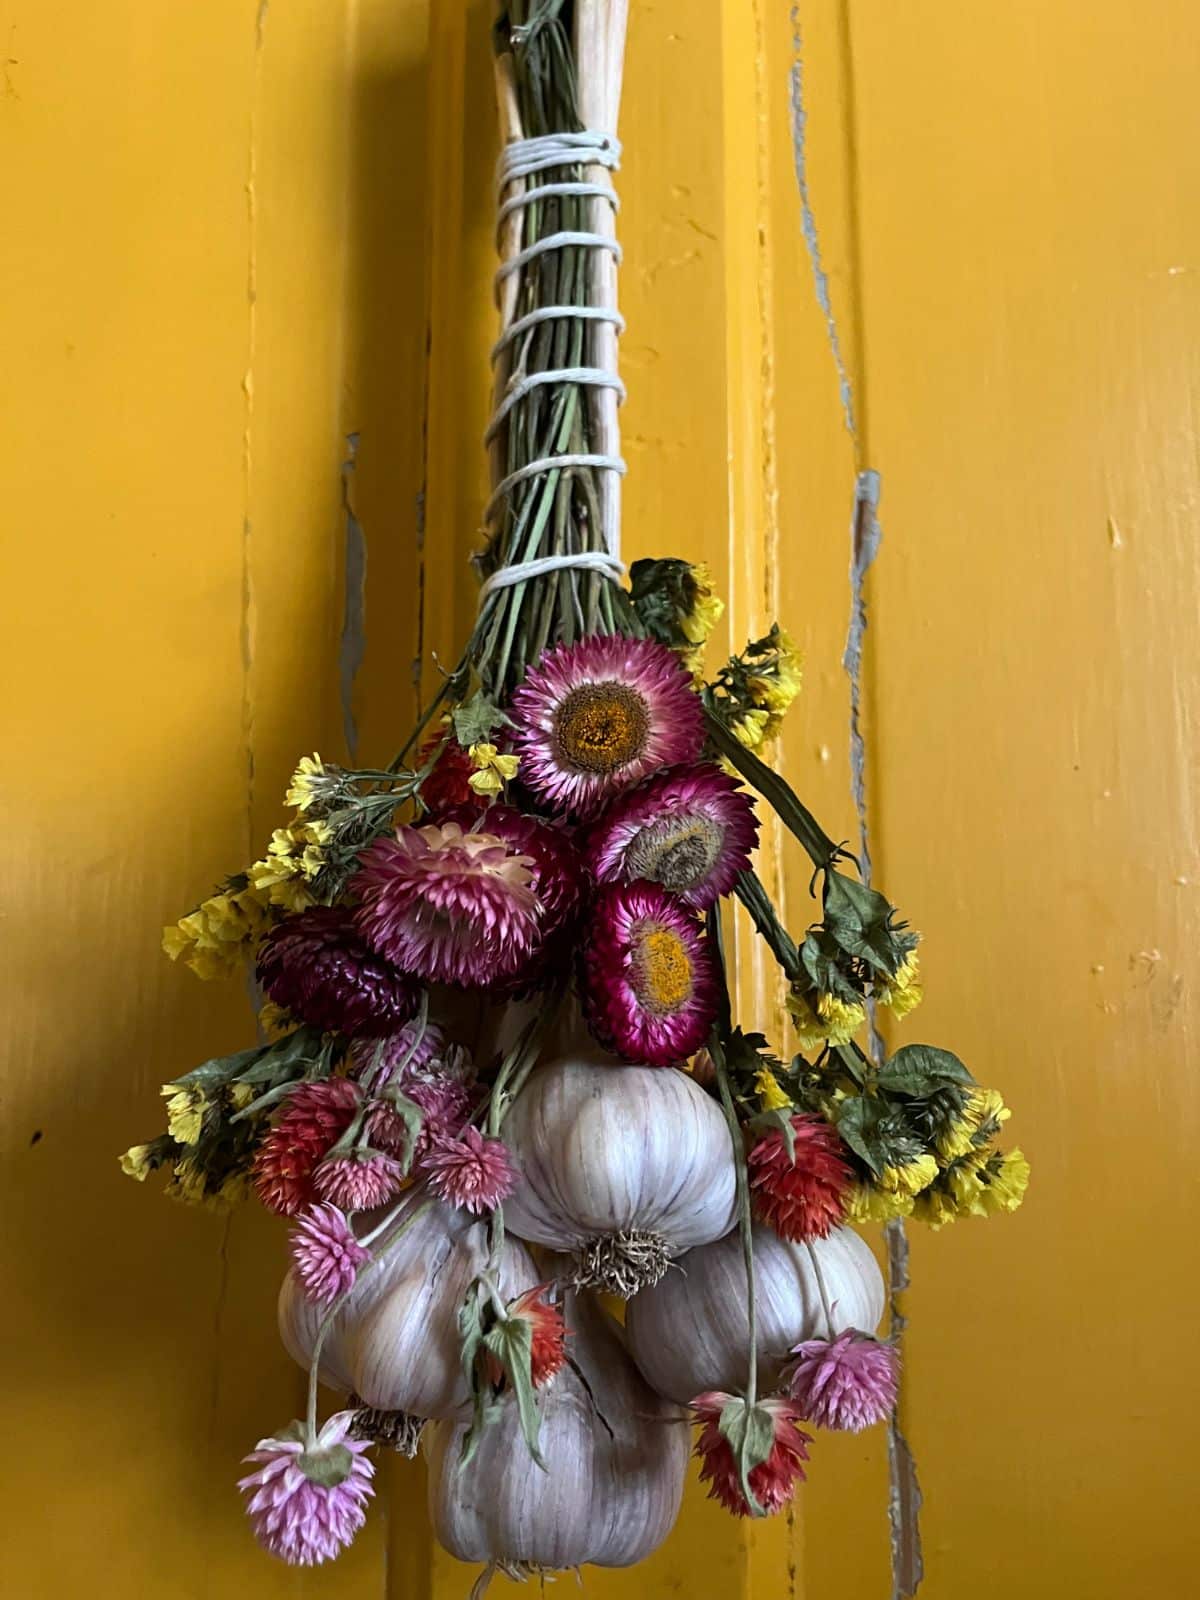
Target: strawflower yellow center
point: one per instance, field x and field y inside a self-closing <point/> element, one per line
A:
<point x="663" y="970"/>
<point x="601" y="727"/>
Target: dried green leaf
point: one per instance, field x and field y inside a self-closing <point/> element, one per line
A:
<point x="751" y="1436"/>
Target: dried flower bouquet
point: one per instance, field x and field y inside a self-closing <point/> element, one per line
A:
<point x="500" y="1070"/>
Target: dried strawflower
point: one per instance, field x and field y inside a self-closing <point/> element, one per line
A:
<point x="314" y="1118"/>
<point x="326" y="1253"/>
<point x="317" y="967"/>
<point x="848" y="1382"/>
<point x="596" y="716"/>
<point x="306" y="1503"/>
<point x="448" y="782"/>
<point x="773" y="1479"/>
<point x="801" y="1194"/>
<point x="548" y="1343"/>
<point x="471" y="1171"/>
<point x="649" y="988"/>
<point x="690" y="828"/>
<point x="449" y="906"/>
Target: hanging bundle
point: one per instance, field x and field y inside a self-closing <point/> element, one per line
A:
<point x="559" y="842"/>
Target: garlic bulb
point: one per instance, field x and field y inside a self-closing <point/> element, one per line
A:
<point x="623" y="1167"/>
<point x="616" y="1456"/>
<point x="394" y="1342"/>
<point x="690" y="1333"/>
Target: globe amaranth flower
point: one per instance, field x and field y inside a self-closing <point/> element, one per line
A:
<point x="445" y="1105"/>
<point x="648" y="980"/>
<point x="548" y="1336"/>
<point x="596" y="716"/>
<point x="359" y="1181"/>
<point x="689" y="828"/>
<point x="449" y="906"/>
<point x="771" y="1481"/>
<point x="803" y="1195"/>
<point x="448" y="782"/>
<point x="307" y="1503"/>
<point x="326" y="1253"/>
<point x="471" y="1171"/>
<point x="317" y="967"/>
<point x="407" y="1053"/>
<point x="314" y="1118"/>
<point x="847" y="1383"/>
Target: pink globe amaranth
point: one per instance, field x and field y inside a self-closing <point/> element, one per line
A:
<point x="596" y="716"/>
<point x="848" y="1383"/>
<point x="326" y="1253"/>
<point x="317" y="966"/>
<point x="445" y="1104"/>
<point x="472" y="1172"/>
<point x="690" y="829"/>
<point x="358" y="1183"/>
<point x="447" y="906"/>
<point x="647" y="976"/>
<point x="306" y="1506"/>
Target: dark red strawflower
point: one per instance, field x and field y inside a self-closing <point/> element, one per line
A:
<point x="448" y="783"/>
<point x="772" y="1481"/>
<point x="548" y="1350"/>
<point x="314" y="1119"/>
<point x="803" y="1198"/>
<point x="316" y="966"/>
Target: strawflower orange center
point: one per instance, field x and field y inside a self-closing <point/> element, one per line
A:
<point x="663" y="970"/>
<point x="601" y="727"/>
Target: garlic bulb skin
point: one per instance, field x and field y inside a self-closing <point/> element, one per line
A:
<point x="616" y="1455"/>
<point x="394" y="1342"/>
<point x="690" y="1333"/>
<point x="608" y="1152"/>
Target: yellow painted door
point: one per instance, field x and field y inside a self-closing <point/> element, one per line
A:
<point x="244" y="277"/>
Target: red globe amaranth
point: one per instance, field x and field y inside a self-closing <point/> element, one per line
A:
<point x="772" y="1481"/>
<point x="317" y="966"/>
<point x="448" y="782"/>
<point x="314" y="1118"/>
<point x="548" y="1349"/>
<point x="805" y="1197"/>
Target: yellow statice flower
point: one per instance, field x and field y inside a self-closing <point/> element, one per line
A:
<point x="910" y="1177"/>
<point x="903" y="992"/>
<point x="492" y="770"/>
<point x="135" y="1163"/>
<point x="750" y="728"/>
<point x="831" y="1021"/>
<point x="771" y="1096"/>
<point x="780" y="682"/>
<point x="306" y="781"/>
<point x="294" y="857"/>
<point x="241" y="1094"/>
<point x="989" y="1182"/>
<point x="185" y="1112"/>
<point x="866" y="1203"/>
<point x="275" y="1023"/>
<point x="212" y="939"/>
<point x="189" y="1183"/>
<point x="981" y="1118"/>
<point x="935" y="1208"/>
<point x="698" y="623"/>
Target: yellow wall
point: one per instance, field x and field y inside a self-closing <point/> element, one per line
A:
<point x="238" y="234"/>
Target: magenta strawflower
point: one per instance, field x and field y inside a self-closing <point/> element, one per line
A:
<point x="471" y="1171"/>
<point x="849" y="1382"/>
<point x="556" y="869"/>
<point x="326" y="1253"/>
<point x="306" y="1505"/>
<point x="690" y="828"/>
<point x="596" y="716"/>
<point x="649" y="987"/>
<point x="316" y="966"/>
<point x="449" y="906"/>
<point x="358" y="1182"/>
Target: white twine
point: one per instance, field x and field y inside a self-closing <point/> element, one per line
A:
<point x="520" y="159"/>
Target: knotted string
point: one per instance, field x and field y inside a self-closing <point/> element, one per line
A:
<point x="519" y="160"/>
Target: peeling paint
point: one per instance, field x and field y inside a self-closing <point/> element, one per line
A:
<point x="353" y="646"/>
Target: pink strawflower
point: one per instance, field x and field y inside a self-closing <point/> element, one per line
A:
<point x="316" y="966"/>
<point x="357" y="1182"/>
<point x="772" y="1481"/>
<point x="449" y="906"/>
<point x="326" y="1253"/>
<point x="690" y="828"/>
<point x="471" y="1172"/>
<point x="649" y="987"/>
<point x="306" y="1505"/>
<point x="314" y="1118"/>
<point x="848" y="1382"/>
<point x="802" y="1196"/>
<point x="592" y="718"/>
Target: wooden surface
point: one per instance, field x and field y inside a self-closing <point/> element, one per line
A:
<point x="245" y="286"/>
